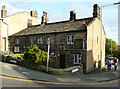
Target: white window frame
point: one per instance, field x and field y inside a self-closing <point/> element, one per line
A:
<point x="17" y="41"/>
<point x="32" y="41"/>
<point x="40" y="40"/>
<point x="70" y="39"/>
<point x="16" y="49"/>
<point x="78" y="58"/>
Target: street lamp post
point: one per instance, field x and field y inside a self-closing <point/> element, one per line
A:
<point x="101" y="27"/>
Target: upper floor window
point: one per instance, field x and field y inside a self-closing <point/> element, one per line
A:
<point x="17" y="41"/>
<point x="40" y="40"/>
<point x="77" y="58"/>
<point x="70" y="39"/>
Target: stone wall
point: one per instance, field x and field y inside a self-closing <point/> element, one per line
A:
<point x="56" y="71"/>
<point x="58" y="46"/>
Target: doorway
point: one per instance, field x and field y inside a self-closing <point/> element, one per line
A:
<point x="4" y="44"/>
<point x="62" y="61"/>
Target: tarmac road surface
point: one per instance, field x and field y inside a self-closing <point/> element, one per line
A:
<point x="16" y="76"/>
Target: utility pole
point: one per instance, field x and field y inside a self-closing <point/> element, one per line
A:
<point x="111" y="46"/>
<point x="101" y="28"/>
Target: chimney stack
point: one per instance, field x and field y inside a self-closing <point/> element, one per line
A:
<point x="96" y="11"/>
<point x="34" y="14"/>
<point x="3" y="11"/>
<point x="72" y="15"/>
<point x="44" y="18"/>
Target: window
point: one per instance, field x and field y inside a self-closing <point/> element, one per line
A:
<point x="16" y="49"/>
<point x="40" y="40"/>
<point x="98" y="57"/>
<point x="32" y="41"/>
<point x="77" y="58"/>
<point x="17" y="41"/>
<point x="97" y="40"/>
<point x="70" y="39"/>
<point x="29" y="22"/>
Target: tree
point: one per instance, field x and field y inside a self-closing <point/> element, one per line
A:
<point x="118" y="53"/>
<point x="33" y="54"/>
<point x="110" y="50"/>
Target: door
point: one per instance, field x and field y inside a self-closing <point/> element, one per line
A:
<point x="4" y="44"/>
<point x="62" y="61"/>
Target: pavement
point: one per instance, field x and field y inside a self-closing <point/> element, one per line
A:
<point x="12" y="70"/>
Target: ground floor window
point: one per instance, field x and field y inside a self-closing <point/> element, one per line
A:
<point x="16" y="49"/>
<point x="77" y="58"/>
<point x="32" y="41"/>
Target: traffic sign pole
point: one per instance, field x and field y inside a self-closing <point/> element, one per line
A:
<point x="48" y="42"/>
<point x="48" y="57"/>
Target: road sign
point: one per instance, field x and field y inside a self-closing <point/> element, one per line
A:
<point x="48" y="40"/>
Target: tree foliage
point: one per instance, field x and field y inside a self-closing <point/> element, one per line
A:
<point x="33" y="54"/>
<point x="108" y="47"/>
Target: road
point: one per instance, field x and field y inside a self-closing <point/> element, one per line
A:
<point x="12" y="73"/>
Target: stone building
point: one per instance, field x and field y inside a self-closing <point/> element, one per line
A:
<point x="10" y="25"/>
<point x="74" y="42"/>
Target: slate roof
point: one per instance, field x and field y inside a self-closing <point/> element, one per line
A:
<point x="63" y="26"/>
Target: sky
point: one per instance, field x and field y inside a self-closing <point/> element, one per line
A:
<point x="58" y="10"/>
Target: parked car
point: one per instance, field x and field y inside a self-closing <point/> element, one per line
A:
<point x="106" y="60"/>
<point x="112" y="59"/>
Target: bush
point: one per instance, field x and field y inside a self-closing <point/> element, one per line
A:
<point x="33" y="54"/>
<point x="7" y="53"/>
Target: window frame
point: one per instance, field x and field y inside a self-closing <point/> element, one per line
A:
<point x="16" y="49"/>
<point x="70" y="39"/>
<point x="17" y="41"/>
<point x="32" y="41"/>
<point x="40" y="40"/>
<point x="79" y="58"/>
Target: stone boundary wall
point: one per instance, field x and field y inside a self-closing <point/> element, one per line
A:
<point x="55" y="71"/>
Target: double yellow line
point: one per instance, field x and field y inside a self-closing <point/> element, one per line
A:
<point x="37" y="81"/>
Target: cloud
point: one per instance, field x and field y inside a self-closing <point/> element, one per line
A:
<point x="62" y="0"/>
<point x="82" y="10"/>
<point x="58" y="12"/>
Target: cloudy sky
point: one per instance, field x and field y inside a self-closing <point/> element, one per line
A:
<point x="58" y="10"/>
